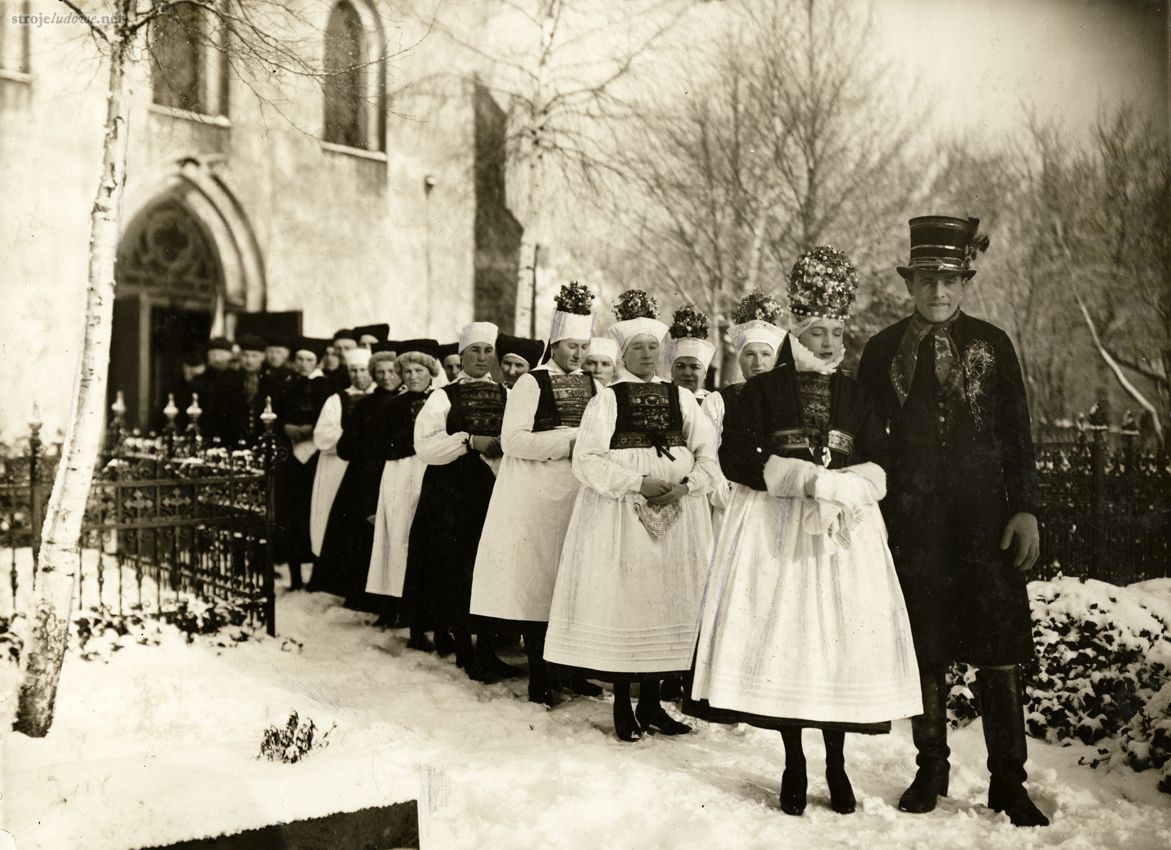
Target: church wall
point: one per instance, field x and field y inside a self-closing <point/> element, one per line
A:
<point x="342" y="234"/>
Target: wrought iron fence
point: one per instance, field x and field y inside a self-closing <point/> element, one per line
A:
<point x="1106" y="503"/>
<point x="167" y="517"/>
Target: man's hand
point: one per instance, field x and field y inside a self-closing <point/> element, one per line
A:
<point x="1023" y="528"/>
<point x="652" y="488"/>
<point x="674" y="494"/>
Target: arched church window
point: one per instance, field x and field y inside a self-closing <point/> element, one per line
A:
<point x="355" y="88"/>
<point x="188" y="59"/>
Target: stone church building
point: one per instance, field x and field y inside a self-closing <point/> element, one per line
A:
<point x="373" y="194"/>
<point x="376" y="192"/>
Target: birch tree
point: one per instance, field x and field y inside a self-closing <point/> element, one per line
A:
<point x="269" y="42"/>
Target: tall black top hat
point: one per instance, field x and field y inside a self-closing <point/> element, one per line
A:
<point x="942" y="243"/>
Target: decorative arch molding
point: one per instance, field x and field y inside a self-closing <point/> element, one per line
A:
<point x="193" y="181"/>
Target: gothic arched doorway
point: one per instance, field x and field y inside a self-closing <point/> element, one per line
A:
<point x="169" y="277"/>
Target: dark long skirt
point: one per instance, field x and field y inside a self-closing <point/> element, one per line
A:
<point x="294" y="493"/>
<point x="441" y="553"/>
<point x="349" y="537"/>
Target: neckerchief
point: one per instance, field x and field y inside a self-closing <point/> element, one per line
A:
<point x="902" y="367"/>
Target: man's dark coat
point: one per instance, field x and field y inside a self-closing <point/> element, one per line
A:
<point x="960" y="466"/>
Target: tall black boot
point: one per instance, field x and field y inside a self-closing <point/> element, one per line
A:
<point x="841" y="793"/>
<point x="540" y="686"/>
<point x="1002" y="707"/>
<point x="929" y="732"/>
<point x="794" y="781"/>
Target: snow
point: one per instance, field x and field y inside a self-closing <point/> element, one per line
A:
<point x="157" y="744"/>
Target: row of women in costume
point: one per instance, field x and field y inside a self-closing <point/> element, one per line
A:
<point x="639" y="529"/>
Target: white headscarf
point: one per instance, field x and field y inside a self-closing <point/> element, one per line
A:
<point x="625" y="331"/>
<point x="688" y="346"/>
<point x="804" y="359"/>
<point x="485" y="332"/>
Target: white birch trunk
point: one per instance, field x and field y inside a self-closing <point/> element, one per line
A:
<point x="60" y="555"/>
<point x="1130" y="388"/>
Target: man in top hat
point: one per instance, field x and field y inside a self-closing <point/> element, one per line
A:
<point x="689" y="350"/>
<point x="962" y="506"/>
<point x="516" y="356"/>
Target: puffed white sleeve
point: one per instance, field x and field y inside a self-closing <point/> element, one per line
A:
<point x="713" y="406"/>
<point x="433" y="445"/>
<point x="328" y="429"/>
<point x="700" y="435"/>
<point x="517" y="437"/>
<point x="593" y="463"/>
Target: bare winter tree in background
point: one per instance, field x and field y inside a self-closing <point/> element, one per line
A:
<point x="262" y="42"/>
<point x="785" y="134"/>
<point x="564" y="69"/>
<point x="1079" y="271"/>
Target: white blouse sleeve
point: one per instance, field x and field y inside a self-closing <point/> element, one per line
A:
<point x="593" y="462"/>
<point x="713" y="406"/>
<point x="700" y="435"/>
<point x="328" y="429"/>
<point x="517" y="437"/>
<point x="433" y="444"/>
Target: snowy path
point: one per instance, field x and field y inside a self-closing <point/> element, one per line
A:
<point x="159" y="744"/>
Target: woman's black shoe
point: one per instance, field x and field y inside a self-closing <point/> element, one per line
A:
<point x="444" y="643"/>
<point x="656" y="719"/>
<point x="625" y="726"/>
<point x="544" y="696"/>
<point x="418" y="640"/>
<point x="794" y="784"/>
<point x="841" y="793"/>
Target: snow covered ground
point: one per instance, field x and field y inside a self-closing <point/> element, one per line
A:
<point x="159" y="744"/>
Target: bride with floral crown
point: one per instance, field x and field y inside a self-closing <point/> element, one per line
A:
<point x="803" y="622"/>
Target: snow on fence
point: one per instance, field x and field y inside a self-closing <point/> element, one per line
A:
<point x="168" y="518"/>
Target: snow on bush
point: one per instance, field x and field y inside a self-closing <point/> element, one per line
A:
<point x="100" y="632"/>
<point x="1102" y="671"/>
<point x="292" y="742"/>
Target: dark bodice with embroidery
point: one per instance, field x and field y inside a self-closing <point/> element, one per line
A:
<point x="799" y="415"/>
<point x="477" y="407"/>
<point x="563" y="399"/>
<point x="399" y="434"/>
<point x="648" y="416"/>
<point x="814" y="391"/>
